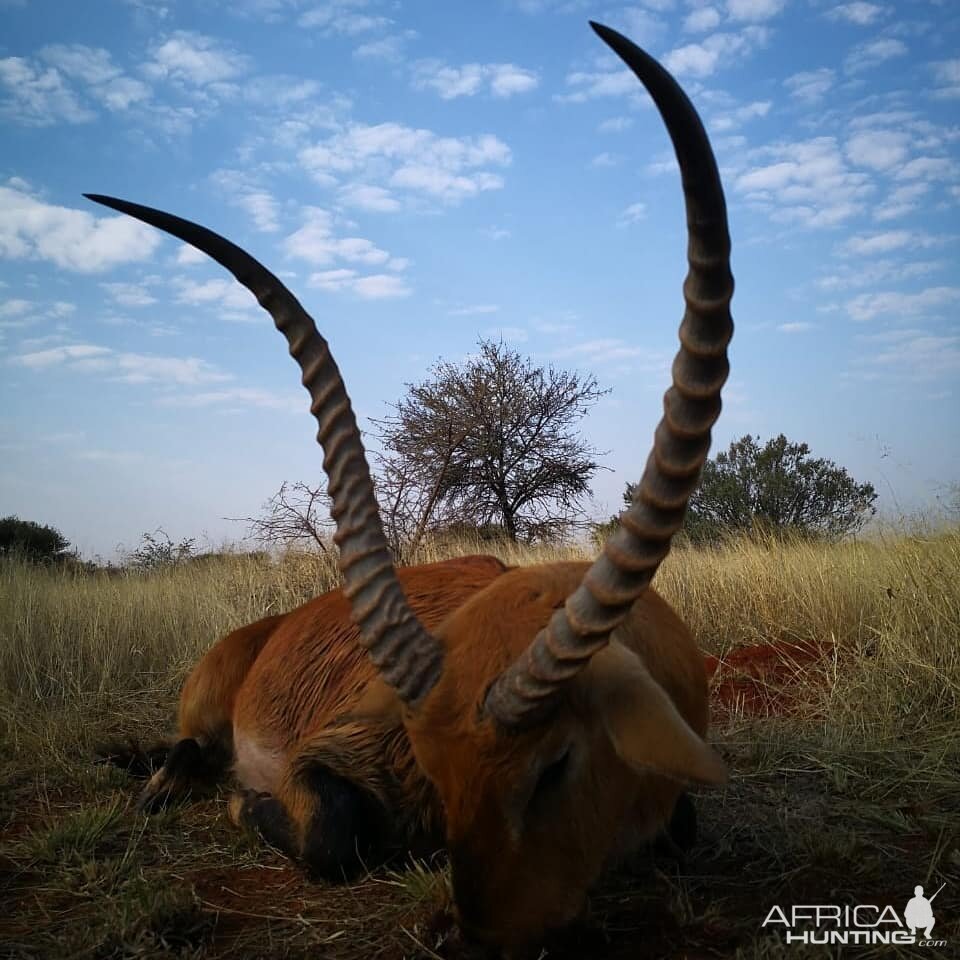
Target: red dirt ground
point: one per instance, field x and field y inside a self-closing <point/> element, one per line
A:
<point x="766" y="679"/>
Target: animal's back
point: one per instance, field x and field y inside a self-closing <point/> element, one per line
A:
<point x="313" y="667"/>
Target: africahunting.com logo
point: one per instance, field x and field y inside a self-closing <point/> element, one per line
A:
<point x="863" y="924"/>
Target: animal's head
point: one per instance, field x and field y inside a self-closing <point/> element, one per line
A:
<point x="540" y="730"/>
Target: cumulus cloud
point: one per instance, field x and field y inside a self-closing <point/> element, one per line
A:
<point x="866" y="56"/>
<point x="194" y="60"/>
<point x="919" y="356"/>
<point x="218" y="292"/>
<point x="589" y="85"/>
<point x="367" y="197"/>
<point x="807" y="182"/>
<point x="734" y="118"/>
<point x="810" y="86"/>
<point x="947" y="79"/>
<point x="130" y="294"/>
<point x="117" y="365"/>
<point x="316" y="243"/>
<point x="754" y="10"/>
<point x="242" y="191"/>
<point x="93" y="67"/>
<point x="878" y="149"/>
<point x="860" y="13"/>
<point x="866" y="245"/>
<point x="900" y="201"/>
<point x="615" y="125"/>
<point x="499" y="79"/>
<point x="701" y="20"/>
<point x="869" y="306"/>
<point x="378" y="286"/>
<point x="346" y="17"/>
<point x="38" y="96"/>
<point x="449" y="169"/>
<point x="72" y="239"/>
<point x="704" y="58"/>
<point x="632" y="214"/>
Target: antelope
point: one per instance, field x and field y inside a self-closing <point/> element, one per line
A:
<point x="542" y="720"/>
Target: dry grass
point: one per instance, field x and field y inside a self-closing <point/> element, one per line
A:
<point x="854" y="797"/>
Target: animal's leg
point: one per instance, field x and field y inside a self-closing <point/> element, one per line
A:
<point x="323" y="821"/>
<point x="193" y="765"/>
<point x="682" y="828"/>
<point x="133" y="758"/>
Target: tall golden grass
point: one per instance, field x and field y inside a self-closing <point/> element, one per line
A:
<point x="83" y="655"/>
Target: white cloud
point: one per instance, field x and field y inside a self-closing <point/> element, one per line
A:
<point x="126" y="367"/>
<point x="72" y="239"/>
<point x="38" y="97"/>
<point x="810" y="86"/>
<point x="130" y="294"/>
<point x="701" y="20"/>
<point x="866" y="245"/>
<point x="919" y="356"/>
<point x="875" y="273"/>
<point x="193" y="59"/>
<point x="445" y="168"/>
<point x="500" y="79"/>
<point x="15" y="308"/>
<point x="93" y="67"/>
<point x="222" y="293"/>
<point x="615" y="125"/>
<point x="242" y="191"/>
<point x="808" y="182"/>
<point x="316" y="243"/>
<point x="605" y="159"/>
<point x="735" y="118"/>
<point x="366" y="197"/>
<point x="868" y="306"/>
<point x="861" y="13"/>
<point x="927" y="168"/>
<point x="704" y="58"/>
<point x="900" y="201"/>
<point x="878" y="149"/>
<point x="865" y="56"/>
<point x="188" y="256"/>
<point x="947" y="78"/>
<point x="612" y="349"/>
<point x="754" y="9"/>
<point x="380" y="286"/>
<point x="632" y="214"/>
<point x="473" y="311"/>
<point x="797" y="326"/>
<point x="390" y="49"/>
<point x="344" y="17"/>
<point x="237" y="397"/>
<point x="603" y="83"/>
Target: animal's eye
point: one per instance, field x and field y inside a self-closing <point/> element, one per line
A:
<point x="551" y="777"/>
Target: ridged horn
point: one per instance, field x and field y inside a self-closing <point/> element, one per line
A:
<point x="630" y="557"/>
<point x="406" y="655"/>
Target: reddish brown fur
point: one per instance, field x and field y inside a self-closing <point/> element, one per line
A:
<point x="299" y="690"/>
<point x="544" y="862"/>
<point x="291" y="686"/>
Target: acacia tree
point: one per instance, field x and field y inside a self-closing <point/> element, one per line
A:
<point x="493" y="440"/>
<point x="777" y="487"/>
<point x="296" y="513"/>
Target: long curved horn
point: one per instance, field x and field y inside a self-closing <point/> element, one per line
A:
<point x="682" y="440"/>
<point x="406" y="655"/>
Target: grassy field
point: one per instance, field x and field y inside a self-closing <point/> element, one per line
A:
<point x="851" y="795"/>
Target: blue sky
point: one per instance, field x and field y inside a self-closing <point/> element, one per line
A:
<point x="423" y="173"/>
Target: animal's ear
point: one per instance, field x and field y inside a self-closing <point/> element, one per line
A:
<point x="379" y="701"/>
<point x="643" y="724"/>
